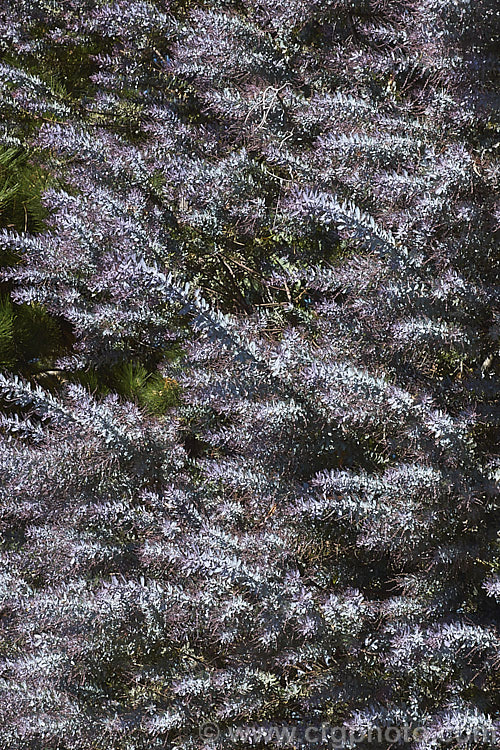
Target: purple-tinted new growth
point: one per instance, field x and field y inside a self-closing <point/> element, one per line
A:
<point x="257" y="485"/>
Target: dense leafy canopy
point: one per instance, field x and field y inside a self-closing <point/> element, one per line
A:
<point x="249" y="342"/>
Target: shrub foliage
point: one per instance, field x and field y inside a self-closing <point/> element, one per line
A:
<point x="249" y="326"/>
